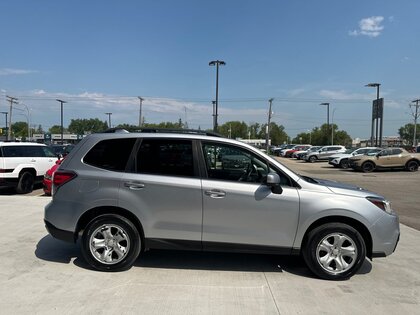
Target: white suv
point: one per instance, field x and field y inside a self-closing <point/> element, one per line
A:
<point x="324" y="153"/>
<point x="22" y="164"/>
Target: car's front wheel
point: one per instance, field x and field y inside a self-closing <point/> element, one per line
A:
<point x="368" y="167"/>
<point x="111" y="243"/>
<point x="334" y="251"/>
<point x="344" y="163"/>
<point x="312" y="159"/>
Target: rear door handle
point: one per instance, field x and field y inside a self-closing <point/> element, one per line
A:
<point x="134" y="185"/>
<point x="214" y="193"/>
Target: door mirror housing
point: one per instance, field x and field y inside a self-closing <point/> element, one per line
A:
<point x="273" y="181"/>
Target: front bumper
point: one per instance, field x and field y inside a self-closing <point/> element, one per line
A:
<point x="385" y="235"/>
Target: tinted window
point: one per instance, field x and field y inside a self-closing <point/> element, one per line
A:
<point x="165" y="157"/>
<point x="47" y="152"/>
<point x="110" y="154"/>
<point x="396" y="151"/>
<point x="23" y="151"/>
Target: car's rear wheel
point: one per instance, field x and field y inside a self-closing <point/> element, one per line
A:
<point x="344" y="163"/>
<point x="111" y="243"/>
<point x="412" y="166"/>
<point x="334" y="251"/>
<point x="26" y="183"/>
<point x="368" y="167"/>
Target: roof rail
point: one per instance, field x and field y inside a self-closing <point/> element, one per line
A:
<point x="163" y="130"/>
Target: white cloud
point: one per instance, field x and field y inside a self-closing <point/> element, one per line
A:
<point x="9" y="71"/>
<point x="370" y="27"/>
<point x="342" y="95"/>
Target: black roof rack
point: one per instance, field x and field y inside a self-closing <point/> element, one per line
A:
<point x="164" y="130"/>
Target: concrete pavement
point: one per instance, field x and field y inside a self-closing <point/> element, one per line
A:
<point x="41" y="275"/>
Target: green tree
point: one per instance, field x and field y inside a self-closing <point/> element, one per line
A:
<point x="234" y="129"/>
<point x="322" y="136"/>
<point x="56" y="129"/>
<point x="406" y="133"/>
<point x="20" y="129"/>
<point x="82" y="126"/>
<point x="277" y="133"/>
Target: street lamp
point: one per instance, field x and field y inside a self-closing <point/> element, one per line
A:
<point x="332" y="126"/>
<point x="61" y="103"/>
<point x="140" y="109"/>
<point x="328" y="117"/>
<point x="109" y="119"/>
<point x="373" y="116"/>
<point x="216" y="63"/>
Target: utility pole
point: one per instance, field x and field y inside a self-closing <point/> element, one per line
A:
<point x="416" y="115"/>
<point x="109" y="119"/>
<point x="328" y="118"/>
<point x="267" y="129"/>
<point x="140" y="109"/>
<point x="12" y="100"/>
<point x="61" y="102"/>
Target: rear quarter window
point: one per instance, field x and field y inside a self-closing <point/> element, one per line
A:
<point x="112" y="154"/>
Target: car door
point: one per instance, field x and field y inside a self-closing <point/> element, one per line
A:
<point x="238" y="208"/>
<point x="165" y="190"/>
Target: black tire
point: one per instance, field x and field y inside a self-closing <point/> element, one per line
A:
<point x="412" y="166"/>
<point x="26" y="183"/>
<point x="313" y="159"/>
<point x="349" y="250"/>
<point x="368" y="167"/>
<point x="123" y="244"/>
<point x="344" y="163"/>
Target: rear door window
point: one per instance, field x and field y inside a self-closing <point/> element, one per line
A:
<point x="112" y="154"/>
<point x="170" y="157"/>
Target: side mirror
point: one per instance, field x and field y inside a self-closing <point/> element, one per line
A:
<point x="273" y="181"/>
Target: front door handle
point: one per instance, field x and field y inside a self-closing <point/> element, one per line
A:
<point x="214" y="193"/>
<point x="134" y="185"/>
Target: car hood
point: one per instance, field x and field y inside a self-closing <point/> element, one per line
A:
<point x="342" y="188"/>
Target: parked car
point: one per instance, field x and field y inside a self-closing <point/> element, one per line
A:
<point x="324" y="153"/>
<point x="386" y="159"/>
<point x="61" y="150"/>
<point x="23" y="164"/>
<point x="48" y="176"/>
<point x="342" y="159"/>
<point x="289" y="153"/>
<point x="300" y="155"/>
<point x="284" y="149"/>
<point x="125" y="193"/>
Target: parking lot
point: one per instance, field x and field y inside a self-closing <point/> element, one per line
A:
<point x="42" y="275"/>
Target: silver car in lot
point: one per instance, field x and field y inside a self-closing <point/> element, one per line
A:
<point x="125" y="193"/>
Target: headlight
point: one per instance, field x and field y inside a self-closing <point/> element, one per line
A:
<point x="381" y="203"/>
<point x="334" y="161"/>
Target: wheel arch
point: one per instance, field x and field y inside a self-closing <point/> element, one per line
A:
<point x="27" y="169"/>
<point x="360" y="227"/>
<point x="89" y="215"/>
<point x="412" y="160"/>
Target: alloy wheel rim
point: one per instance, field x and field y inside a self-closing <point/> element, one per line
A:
<point x="109" y="244"/>
<point x="336" y="253"/>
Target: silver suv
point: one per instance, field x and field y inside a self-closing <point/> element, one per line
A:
<point x="125" y="193"/>
<point x="324" y="153"/>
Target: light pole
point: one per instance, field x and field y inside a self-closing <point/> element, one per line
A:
<point x="416" y="115"/>
<point x="377" y="85"/>
<point x="12" y="100"/>
<point x="216" y="63"/>
<point x="328" y="117"/>
<point x="332" y="126"/>
<point x="267" y="135"/>
<point x="140" y="109"/>
<point x="61" y="103"/>
<point x="109" y="119"/>
<point x="5" y="113"/>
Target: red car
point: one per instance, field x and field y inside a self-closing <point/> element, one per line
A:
<point x="290" y="152"/>
<point x="47" y="181"/>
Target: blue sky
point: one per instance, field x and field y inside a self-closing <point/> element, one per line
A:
<point x="100" y="55"/>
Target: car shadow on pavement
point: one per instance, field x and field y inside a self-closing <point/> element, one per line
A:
<point x="54" y="250"/>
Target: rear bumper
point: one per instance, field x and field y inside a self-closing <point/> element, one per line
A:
<point x="67" y="236"/>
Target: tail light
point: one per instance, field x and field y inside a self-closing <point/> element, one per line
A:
<point x="62" y="177"/>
